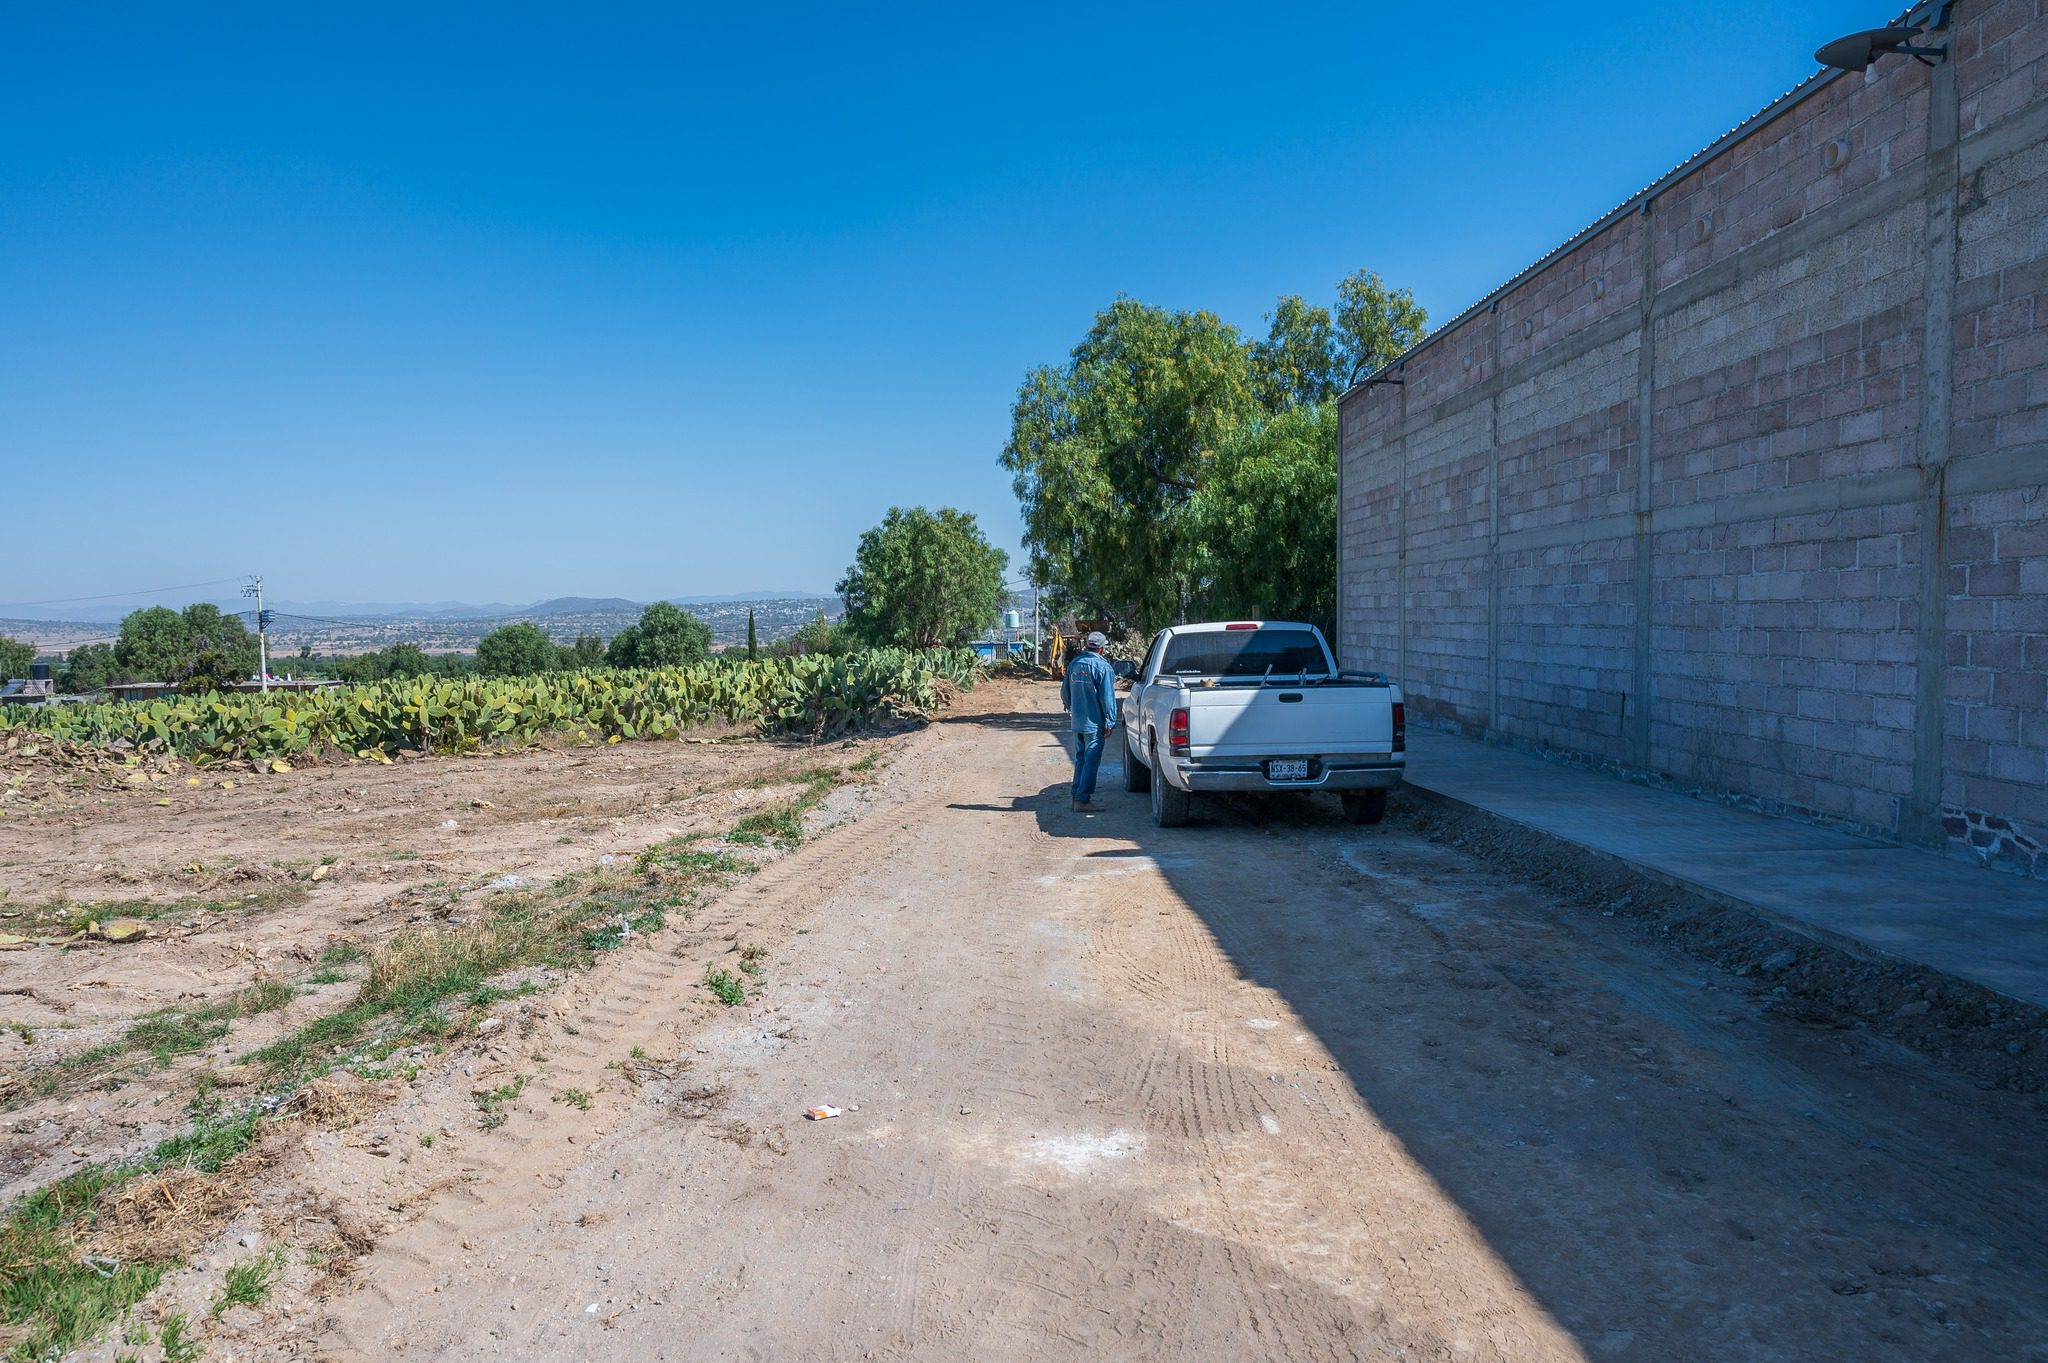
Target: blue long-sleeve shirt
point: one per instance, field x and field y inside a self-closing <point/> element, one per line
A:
<point x="1089" y="693"/>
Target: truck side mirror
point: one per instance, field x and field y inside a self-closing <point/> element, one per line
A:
<point x="1124" y="668"/>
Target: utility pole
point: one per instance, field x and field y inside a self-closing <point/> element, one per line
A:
<point x="255" y="589"/>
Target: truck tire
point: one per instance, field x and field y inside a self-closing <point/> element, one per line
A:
<point x="1365" y="806"/>
<point x="1137" y="776"/>
<point x="1169" y="805"/>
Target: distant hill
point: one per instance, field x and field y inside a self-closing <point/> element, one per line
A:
<point x="578" y="605"/>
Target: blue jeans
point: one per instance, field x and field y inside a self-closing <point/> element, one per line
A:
<point x="1087" y="757"/>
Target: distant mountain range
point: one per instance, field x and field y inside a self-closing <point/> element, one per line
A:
<point x="409" y="610"/>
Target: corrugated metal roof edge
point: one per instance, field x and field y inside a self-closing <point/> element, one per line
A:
<point x="1762" y="118"/>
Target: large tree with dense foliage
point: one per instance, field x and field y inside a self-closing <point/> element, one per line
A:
<point x="223" y="651"/>
<point x="154" y="644"/>
<point x="520" y="649"/>
<point x="1108" y="449"/>
<point x="1112" y="452"/>
<point x="201" y="646"/>
<point x="87" y="668"/>
<point x="1266" y="519"/>
<point x="923" y="579"/>
<point x="1374" y="323"/>
<point x="666" y="636"/>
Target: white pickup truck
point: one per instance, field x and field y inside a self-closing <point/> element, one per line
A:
<point x="1259" y="706"/>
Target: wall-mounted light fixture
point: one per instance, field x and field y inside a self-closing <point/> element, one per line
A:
<point x="1857" y="51"/>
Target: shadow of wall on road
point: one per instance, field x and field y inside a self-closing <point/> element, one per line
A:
<point x="1653" y="1209"/>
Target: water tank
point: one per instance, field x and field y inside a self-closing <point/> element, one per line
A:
<point x="39" y="671"/>
<point x="1011" y="619"/>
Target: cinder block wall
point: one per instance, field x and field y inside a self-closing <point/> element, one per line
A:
<point x="1746" y="488"/>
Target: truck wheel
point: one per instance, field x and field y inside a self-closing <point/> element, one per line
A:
<point x="1365" y="806"/>
<point x="1169" y="805"/>
<point x="1137" y="776"/>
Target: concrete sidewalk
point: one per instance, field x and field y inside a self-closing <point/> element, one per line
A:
<point x="1872" y="899"/>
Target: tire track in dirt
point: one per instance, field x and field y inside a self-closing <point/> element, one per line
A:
<point x="628" y="1003"/>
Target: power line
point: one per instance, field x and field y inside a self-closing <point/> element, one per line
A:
<point x="115" y="596"/>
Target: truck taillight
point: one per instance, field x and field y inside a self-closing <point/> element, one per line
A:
<point x="1177" y="733"/>
<point x="1400" y="727"/>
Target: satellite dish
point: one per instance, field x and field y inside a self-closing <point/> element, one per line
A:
<point x="1857" y="51"/>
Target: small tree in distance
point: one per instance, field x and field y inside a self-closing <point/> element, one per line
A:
<point x="87" y="668"/>
<point x="516" y="650"/>
<point x="923" y="579"/>
<point x="15" y="657"/>
<point x="753" y="640"/>
<point x="666" y="636"/>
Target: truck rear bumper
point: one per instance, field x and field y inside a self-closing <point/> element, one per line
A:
<point x="1205" y="777"/>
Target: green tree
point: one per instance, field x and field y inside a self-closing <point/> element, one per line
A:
<point x="1374" y="323"/>
<point x="154" y="644"/>
<point x="407" y="660"/>
<point x="521" y="649"/>
<point x="1108" y="449"/>
<point x="820" y="636"/>
<point x="586" y="652"/>
<point x="1298" y="364"/>
<point x="753" y="640"/>
<point x="665" y="636"/>
<point x="1110" y="452"/>
<point x="87" y="668"/>
<point x="923" y="579"/>
<point x="222" y="651"/>
<point x="15" y="657"/>
<point x="1267" y="520"/>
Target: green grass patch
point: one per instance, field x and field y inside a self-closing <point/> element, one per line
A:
<point x="162" y="1036"/>
<point x="248" y="1284"/>
<point x="491" y="1102"/>
<point x="63" y="917"/>
<point x="340" y="954"/>
<point x="725" y="986"/>
<point x="576" y="1098"/>
<point x="178" y="1342"/>
<point x="783" y="824"/>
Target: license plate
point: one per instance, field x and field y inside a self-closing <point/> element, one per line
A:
<point x="1287" y="769"/>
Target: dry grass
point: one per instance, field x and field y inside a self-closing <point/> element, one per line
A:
<point x="340" y="1100"/>
<point x="164" y="1217"/>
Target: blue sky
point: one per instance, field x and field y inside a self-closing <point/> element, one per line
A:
<point x="500" y="301"/>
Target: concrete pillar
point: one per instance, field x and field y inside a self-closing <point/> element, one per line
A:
<point x="1401" y="533"/>
<point x="1920" y="821"/>
<point x="1493" y="726"/>
<point x="1637" y="716"/>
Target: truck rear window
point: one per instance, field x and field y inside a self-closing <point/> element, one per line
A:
<point x="1244" y="653"/>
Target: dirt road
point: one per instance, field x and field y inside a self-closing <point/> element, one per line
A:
<point x="1267" y="1087"/>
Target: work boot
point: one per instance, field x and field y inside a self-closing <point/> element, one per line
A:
<point x="1087" y="807"/>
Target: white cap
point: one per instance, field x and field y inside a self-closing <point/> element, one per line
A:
<point x="1097" y="639"/>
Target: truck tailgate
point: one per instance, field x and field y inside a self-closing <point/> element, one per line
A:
<point x="1289" y="721"/>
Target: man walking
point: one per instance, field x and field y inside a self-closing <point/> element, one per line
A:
<point x="1089" y="693"/>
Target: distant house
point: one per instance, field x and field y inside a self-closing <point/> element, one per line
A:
<point x="27" y="691"/>
<point x="35" y="689"/>
<point x="136" y="690"/>
<point x="288" y="684"/>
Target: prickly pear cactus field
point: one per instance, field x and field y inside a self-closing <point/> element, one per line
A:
<point x="823" y="697"/>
